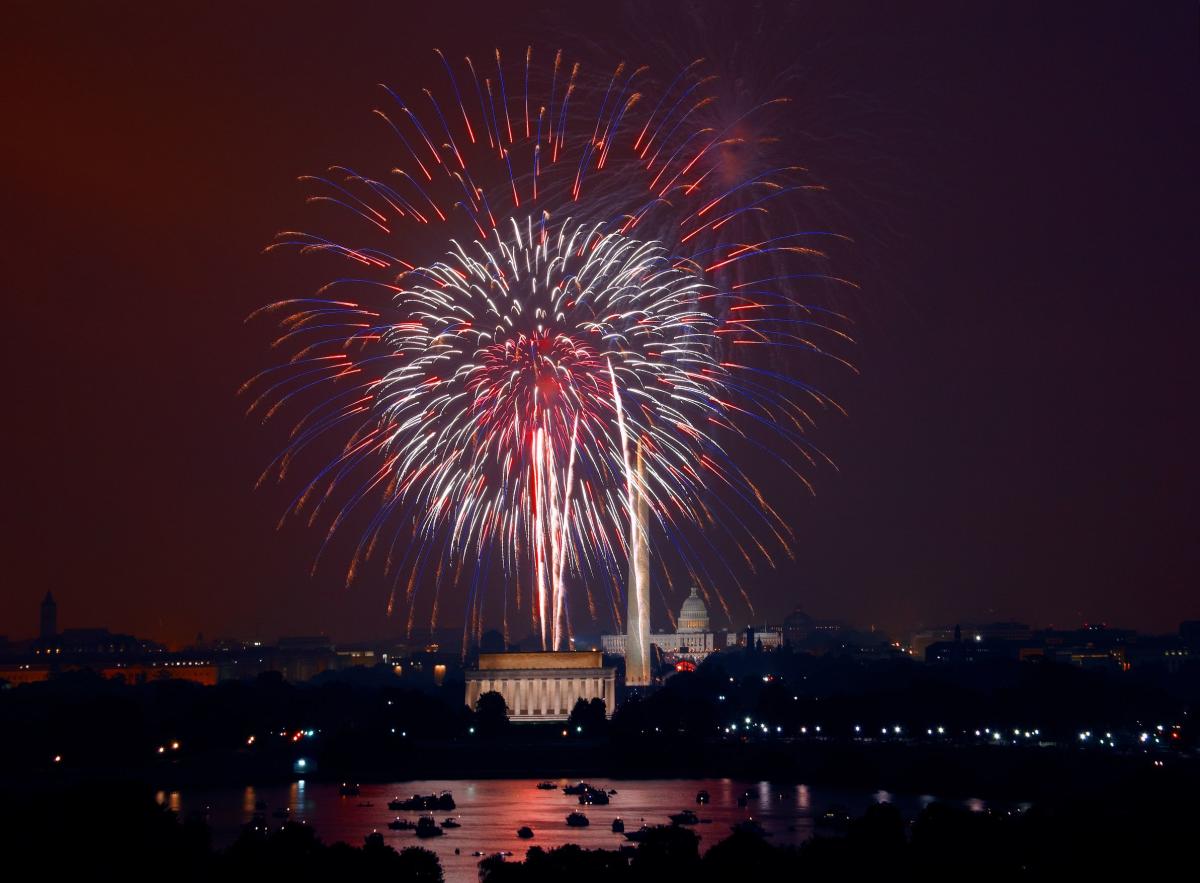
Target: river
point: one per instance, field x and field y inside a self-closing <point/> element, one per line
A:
<point x="491" y="811"/>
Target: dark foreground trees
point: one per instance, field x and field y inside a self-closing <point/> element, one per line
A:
<point x="122" y="833"/>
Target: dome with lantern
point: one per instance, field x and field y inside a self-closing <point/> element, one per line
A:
<point x="693" y="615"/>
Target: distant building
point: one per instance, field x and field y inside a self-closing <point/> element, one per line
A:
<point x="1093" y="646"/>
<point x="49" y="619"/>
<point x="768" y="637"/>
<point x="303" y="657"/>
<point x="93" y="642"/>
<point x="1004" y="631"/>
<point x="693" y="615"/>
<point x="921" y="641"/>
<point x="1169" y="651"/>
<point x="1015" y="634"/>
<point x="351" y="655"/>
<point x="691" y="640"/>
<point x="543" y="686"/>
<point x="802" y="631"/>
<point x="198" y="671"/>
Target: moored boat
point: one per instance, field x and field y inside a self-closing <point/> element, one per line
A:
<point x="424" y="802"/>
<point x="836" y="816"/>
<point x="594" y="797"/>
<point x="428" y="827"/>
<point x="749" y="826"/>
<point x="577" y="820"/>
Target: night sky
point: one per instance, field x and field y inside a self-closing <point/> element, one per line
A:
<point x="1020" y="180"/>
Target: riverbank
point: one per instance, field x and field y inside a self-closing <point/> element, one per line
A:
<point x="952" y="771"/>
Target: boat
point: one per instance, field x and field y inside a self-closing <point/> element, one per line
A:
<point x="618" y="826"/>
<point x="348" y="789"/>
<point x="451" y="823"/>
<point x="749" y="826"/>
<point x="836" y="816"/>
<point x="546" y="786"/>
<point x="428" y="827"/>
<point x="593" y="797"/>
<point x="579" y="788"/>
<point x="525" y="832"/>
<point x="577" y="820"/>
<point x="702" y="797"/>
<point x="684" y="817"/>
<point x="399" y="824"/>
<point x="424" y="802"/>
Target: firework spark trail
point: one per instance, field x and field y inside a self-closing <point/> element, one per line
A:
<point x="495" y="396"/>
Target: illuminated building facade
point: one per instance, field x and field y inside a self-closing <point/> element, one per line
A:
<point x="692" y="638"/>
<point x="543" y="686"/>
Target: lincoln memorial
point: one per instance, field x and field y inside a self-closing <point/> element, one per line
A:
<point x="543" y="686"/>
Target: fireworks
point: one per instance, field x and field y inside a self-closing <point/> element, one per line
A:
<point x="592" y="304"/>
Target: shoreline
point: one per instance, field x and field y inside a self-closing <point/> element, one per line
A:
<point x="997" y="774"/>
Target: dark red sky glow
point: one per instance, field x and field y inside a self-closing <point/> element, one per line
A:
<point x="1020" y="179"/>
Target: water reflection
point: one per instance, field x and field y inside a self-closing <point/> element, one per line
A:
<point x="491" y="811"/>
<point x="802" y="798"/>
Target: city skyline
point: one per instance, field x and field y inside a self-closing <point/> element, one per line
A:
<point x="510" y="443"/>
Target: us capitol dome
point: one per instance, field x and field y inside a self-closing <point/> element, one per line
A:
<point x="691" y="640"/>
<point x="693" y="615"/>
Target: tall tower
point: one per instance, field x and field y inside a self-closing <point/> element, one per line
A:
<point x="49" y="617"/>
<point x="637" y="590"/>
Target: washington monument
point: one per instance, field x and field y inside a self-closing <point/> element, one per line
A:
<point x="637" y="591"/>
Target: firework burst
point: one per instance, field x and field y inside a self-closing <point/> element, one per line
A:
<point x="584" y="312"/>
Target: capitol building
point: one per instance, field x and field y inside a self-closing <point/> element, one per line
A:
<point x="691" y="639"/>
